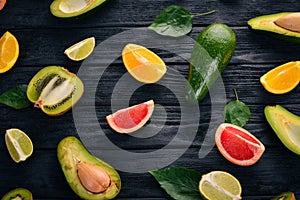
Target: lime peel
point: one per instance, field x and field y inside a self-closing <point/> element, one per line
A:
<point x="19" y="145"/>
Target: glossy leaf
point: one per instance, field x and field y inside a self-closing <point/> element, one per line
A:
<point x="237" y="112"/>
<point x="16" y="97"/>
<point x="173" y="21"/>
<point x="180" y="183"/>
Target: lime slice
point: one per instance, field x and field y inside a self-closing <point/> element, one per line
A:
<point x="81" y="50"/>
<point x="18" y="144"/>
<point x="219" y="185"/>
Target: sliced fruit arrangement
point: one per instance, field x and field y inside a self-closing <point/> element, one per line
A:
<point x="285" y="24"/>
<point x="81" y="50"/>
<point x="143" y="64"/>
<point x="238" y="145"/>
<point x="220" y="185"/>
<point x="212" y="52"/>
<point x="54" y="90"/>
<point x="282" y="79"/>
<point x="73" y="8"/>
<point x="88" y="176"/>
<point x="18" y="194"/>
<point x="131" y="119"/>
<point x="19" y="145"/>
<point x="9" y="51"/>
<point x="2" y="4"/>
<point x="285" y="196"/>
<point x="286" y="125"/>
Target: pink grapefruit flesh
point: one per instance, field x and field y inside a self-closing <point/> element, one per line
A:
<point x="132" y="118"/>
<point x="238" y="145"/>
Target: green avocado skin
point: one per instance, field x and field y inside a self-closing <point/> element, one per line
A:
<point x="212" y="52"/>
<point x="69" y="151"/>
<point x="285" y="196"/>
<point x="56" y="11"/>
<point x="265" y="24"/>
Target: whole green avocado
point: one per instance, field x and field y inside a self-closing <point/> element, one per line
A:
<point x="86" y="173"/>
<point x="284" y="25"/>
<point x="212" y="52"/>
<point x="73" y="8"/>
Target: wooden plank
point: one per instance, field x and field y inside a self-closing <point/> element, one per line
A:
<point x="35" y="13"/>
<point x="47" y="131"/>
<point x="42" y="47"/>
<point x="42" y="175"/>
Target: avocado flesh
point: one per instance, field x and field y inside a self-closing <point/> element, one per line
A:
<point x="69" y="151"/>
<point x="286" y="125"/>
<point x="73" y="8"/>
<point x="267" y="23"/>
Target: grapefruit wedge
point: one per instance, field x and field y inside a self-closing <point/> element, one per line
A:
<point x="132" y="118"/>
<point x="238" y="145"/>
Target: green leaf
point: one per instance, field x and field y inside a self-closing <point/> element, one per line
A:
<point x="180" y="183"/>
<point x="236" y="112"/>
<point x="16" y="97"/>
<point x="174" y="21"/>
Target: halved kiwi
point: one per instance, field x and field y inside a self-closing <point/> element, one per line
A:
<point x="55" y="90"/>
<point x="18" y="194"/>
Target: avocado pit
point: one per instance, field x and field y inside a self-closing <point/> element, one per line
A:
<point x="92" y="177"/>
<point x="290" y="22"/>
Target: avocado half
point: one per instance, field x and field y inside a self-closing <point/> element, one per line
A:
<point x="73" y="8"/>
<point x="268" y="23"/>
<point x="286" y="125"/>
<point x="70" y="151"/>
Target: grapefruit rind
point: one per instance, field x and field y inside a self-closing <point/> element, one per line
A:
<point x="257" y="148"/>
<point x="114" y="126"/>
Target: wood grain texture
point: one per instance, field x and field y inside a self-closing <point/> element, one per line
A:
<point x="43" y="38"/>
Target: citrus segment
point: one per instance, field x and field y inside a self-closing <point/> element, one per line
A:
<point x="2" y="4"/>
<point x="238" y="145"/>
<point x="282" y="79"/>
<point x="219" y="185"/>
<point x="18" y="144"/>
<point x="9" y="51"/>
<point x="81" y="50"/>
<point x="144" y="65"/>
<point x="131" y="119"/>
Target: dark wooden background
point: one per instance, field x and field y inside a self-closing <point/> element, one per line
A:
<point x="43" y="38"/>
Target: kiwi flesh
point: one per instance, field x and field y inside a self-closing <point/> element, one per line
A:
<point x="18" y="194"/>
<point x="54" y="90"/>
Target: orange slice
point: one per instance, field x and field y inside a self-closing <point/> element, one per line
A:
<point x="144" y="65"/>
<point x="9" y="51"/>
<point x="131" y="119"/>
<point x="282" y="79"/>
<point x="238" y="145"/>
<point x="2" y="4"/>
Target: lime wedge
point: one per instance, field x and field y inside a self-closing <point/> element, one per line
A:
<point x="219" y="185"/>
<point x="81" y="50"/>
<point x="18" y="144"/>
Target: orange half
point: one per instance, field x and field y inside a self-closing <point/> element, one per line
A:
<point x="9" y="51"/>
<point x="144" y="65"/>
<point x="282" y="79"/>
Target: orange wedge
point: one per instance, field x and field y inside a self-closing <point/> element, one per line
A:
<point x="9" y="51"/>
<point x="144" y="65"/>
<point x="2" y="4"/>
<point x="282" y="79"/>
